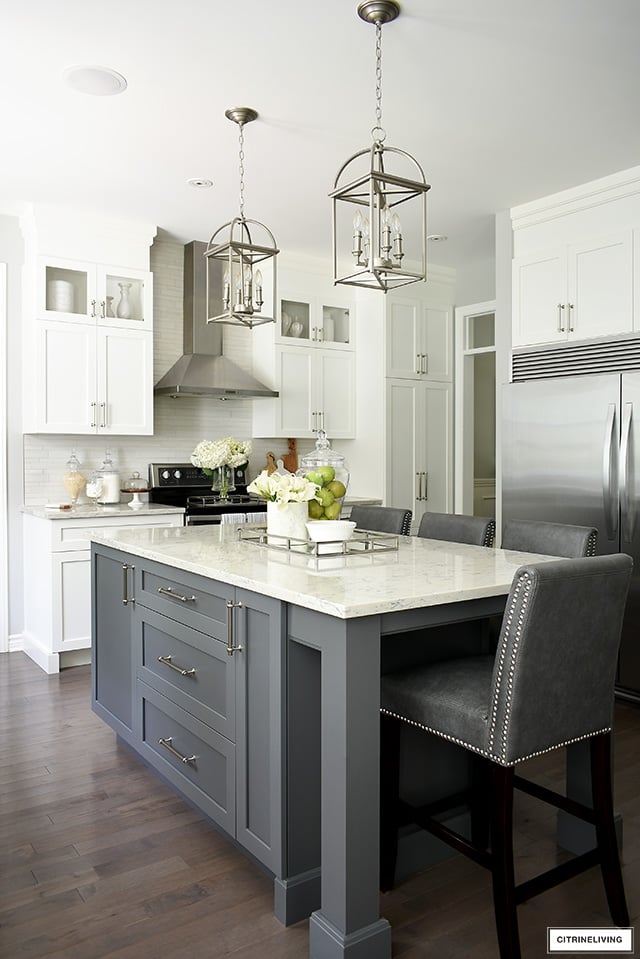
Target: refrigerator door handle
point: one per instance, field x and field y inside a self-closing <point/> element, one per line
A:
<point x="608" y="486"/>
<point x="625" y="499"/>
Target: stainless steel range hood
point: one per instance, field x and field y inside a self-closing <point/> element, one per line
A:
<point x="202" y="370"/>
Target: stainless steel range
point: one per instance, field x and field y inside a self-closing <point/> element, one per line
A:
<point x="185" y="485"/>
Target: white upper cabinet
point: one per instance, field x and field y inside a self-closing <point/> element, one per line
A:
<point x="419" y="339"/>
<point x="574" y="292"/>
<point x="576" y="263"/>
<point x="317" y="321"/>
<point x="82" y="292"/>
<point x="87" y="330"/>
<point x="89" y="379"/>
<point x="309" y="357"/>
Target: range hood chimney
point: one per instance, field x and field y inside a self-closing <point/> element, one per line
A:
<point x="202" y="370"/>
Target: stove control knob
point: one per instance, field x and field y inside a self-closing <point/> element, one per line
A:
<point x="166" y="474"/>
<point x="178" y="474"/>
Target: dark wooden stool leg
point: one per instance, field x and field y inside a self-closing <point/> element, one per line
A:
<point x="389" y="798"/>
<point x="504" y="892"/>
<point x="480" y="801"/>
<point x="602" y="790"/>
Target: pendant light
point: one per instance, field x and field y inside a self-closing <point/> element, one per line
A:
<point x="379" y="199"/>
<point x="241" y="259"/>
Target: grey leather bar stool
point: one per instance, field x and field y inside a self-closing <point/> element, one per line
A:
<point x="382" y="519"/>
<point x="550" y="684"/>
<point x="458" y="528"/>
<point x="550" y="539"/>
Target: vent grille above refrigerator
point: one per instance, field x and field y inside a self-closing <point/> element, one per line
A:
<point x="570" y="359"/>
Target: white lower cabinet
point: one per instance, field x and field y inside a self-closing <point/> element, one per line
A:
<point x="317" y="391"/>
<point x="57" y="598"/>
<point x="91" y="379"/>
<point x="419" y="443"/>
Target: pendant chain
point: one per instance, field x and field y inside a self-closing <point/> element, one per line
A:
<point x="378" y="131"/>
<point x="241" y="157"/>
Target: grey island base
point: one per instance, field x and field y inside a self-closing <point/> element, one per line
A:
<point x="249" y="679"/>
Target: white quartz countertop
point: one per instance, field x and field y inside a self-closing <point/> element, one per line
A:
<point x="89" y="511"/>
<point x="422" y="572"/>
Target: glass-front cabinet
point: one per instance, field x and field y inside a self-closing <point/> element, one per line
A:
<point x="83" y="292"/>
<point x="315" y="321"/>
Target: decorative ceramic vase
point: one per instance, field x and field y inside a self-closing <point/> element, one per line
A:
<point x="222" y="481"/>
<point x="123" y="310"/>
<point x="287" y="521"/>
<point x="110" y="306"/>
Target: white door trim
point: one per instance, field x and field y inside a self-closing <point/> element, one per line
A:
<point x="4" y="513"/>
<point x="463" y="406"/>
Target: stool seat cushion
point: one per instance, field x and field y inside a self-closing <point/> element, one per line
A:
<point x="450" y="698"/>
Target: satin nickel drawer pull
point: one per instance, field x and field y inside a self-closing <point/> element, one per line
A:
<point x="231" y="647"/>
<point x="126" y="599"/>
<point x="167" y="591"/>
<point x="183" y="672"/>
<point x="174" y="752"/>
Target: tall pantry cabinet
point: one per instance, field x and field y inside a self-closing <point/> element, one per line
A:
<point x="419" y="396"/>
<point x="88" y="321"/>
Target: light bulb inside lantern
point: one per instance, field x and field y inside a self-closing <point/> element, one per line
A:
<point x="257" y="279"/>
<point x="357" y="236"/>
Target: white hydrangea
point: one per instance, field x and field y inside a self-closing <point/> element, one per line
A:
<point x="283" y="488"/>
<point x="210" y="454"/>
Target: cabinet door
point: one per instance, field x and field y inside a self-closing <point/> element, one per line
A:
<point x="65" y="381"/>
<point x="403" y="339"/>
<point x="259" y="731"/>
<point x="404" y="457"/>
<point x="334" y="393"/>
<point x="125" y="381"/>
<point x="600" y="287"/>
<point x="420" y="459"/>
<point x="437" y="342"/>
<point x="66" y="290"/>
<point x="436" y="442"/>
<point x="539" y="298"/>
<point x="112" y="673"/>
<point x="335" y="326"/>
<point x="71" y="600"/>
<point x="294" y="405"/>
<point x="125" y="298"/>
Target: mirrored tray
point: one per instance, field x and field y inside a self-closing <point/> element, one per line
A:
<point x="362" y="541"/>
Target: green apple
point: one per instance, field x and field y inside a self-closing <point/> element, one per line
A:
<point x="332" y="511"/>
<point x="327" y="473"/>
<point x="315" y="509"/>
<point x="325" y="496"/>
<point x="337" y="488"/>
<point x="314" y="477"/>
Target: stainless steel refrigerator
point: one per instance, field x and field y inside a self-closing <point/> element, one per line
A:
<point x="572" y="455"/>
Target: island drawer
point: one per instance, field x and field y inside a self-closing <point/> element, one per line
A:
<point x="190" y="755"/>
<point x="193" y="600"/>
<point x="188" y="667"/>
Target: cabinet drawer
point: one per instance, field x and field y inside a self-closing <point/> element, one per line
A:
<point x="191" y="600"/>
<point x="208" y="776"/>
<point x="195" y="670"/>
<point x="76" y="534"/>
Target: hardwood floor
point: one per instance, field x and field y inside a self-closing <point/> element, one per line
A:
<point x="99" y="859"/>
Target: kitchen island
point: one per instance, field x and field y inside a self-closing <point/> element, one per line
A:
<point x="296" y="642"/>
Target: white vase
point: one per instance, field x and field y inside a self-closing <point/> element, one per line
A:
<point x="287" y="520"/>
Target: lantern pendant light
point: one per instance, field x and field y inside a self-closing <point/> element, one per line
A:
<point x="379" y="206"/>
<point x="241" y="260"/>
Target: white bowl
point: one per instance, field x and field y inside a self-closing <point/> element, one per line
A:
<point x="330" y="530"/>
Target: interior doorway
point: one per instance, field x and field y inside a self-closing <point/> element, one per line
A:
<point x="475" y="409"/>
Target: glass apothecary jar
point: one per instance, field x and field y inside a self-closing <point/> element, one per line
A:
<point x="327" y="468"/>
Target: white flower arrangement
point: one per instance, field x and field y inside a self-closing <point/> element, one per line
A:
<point x="283" y="488"/>
<point x="210" y="454"/>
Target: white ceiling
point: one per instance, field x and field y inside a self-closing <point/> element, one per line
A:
<point x="501" y="101"/>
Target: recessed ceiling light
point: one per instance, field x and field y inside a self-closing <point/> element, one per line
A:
<point x="95" y="81"/>
<point x="200" y="182"/>
<point x="437" y="237"/>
